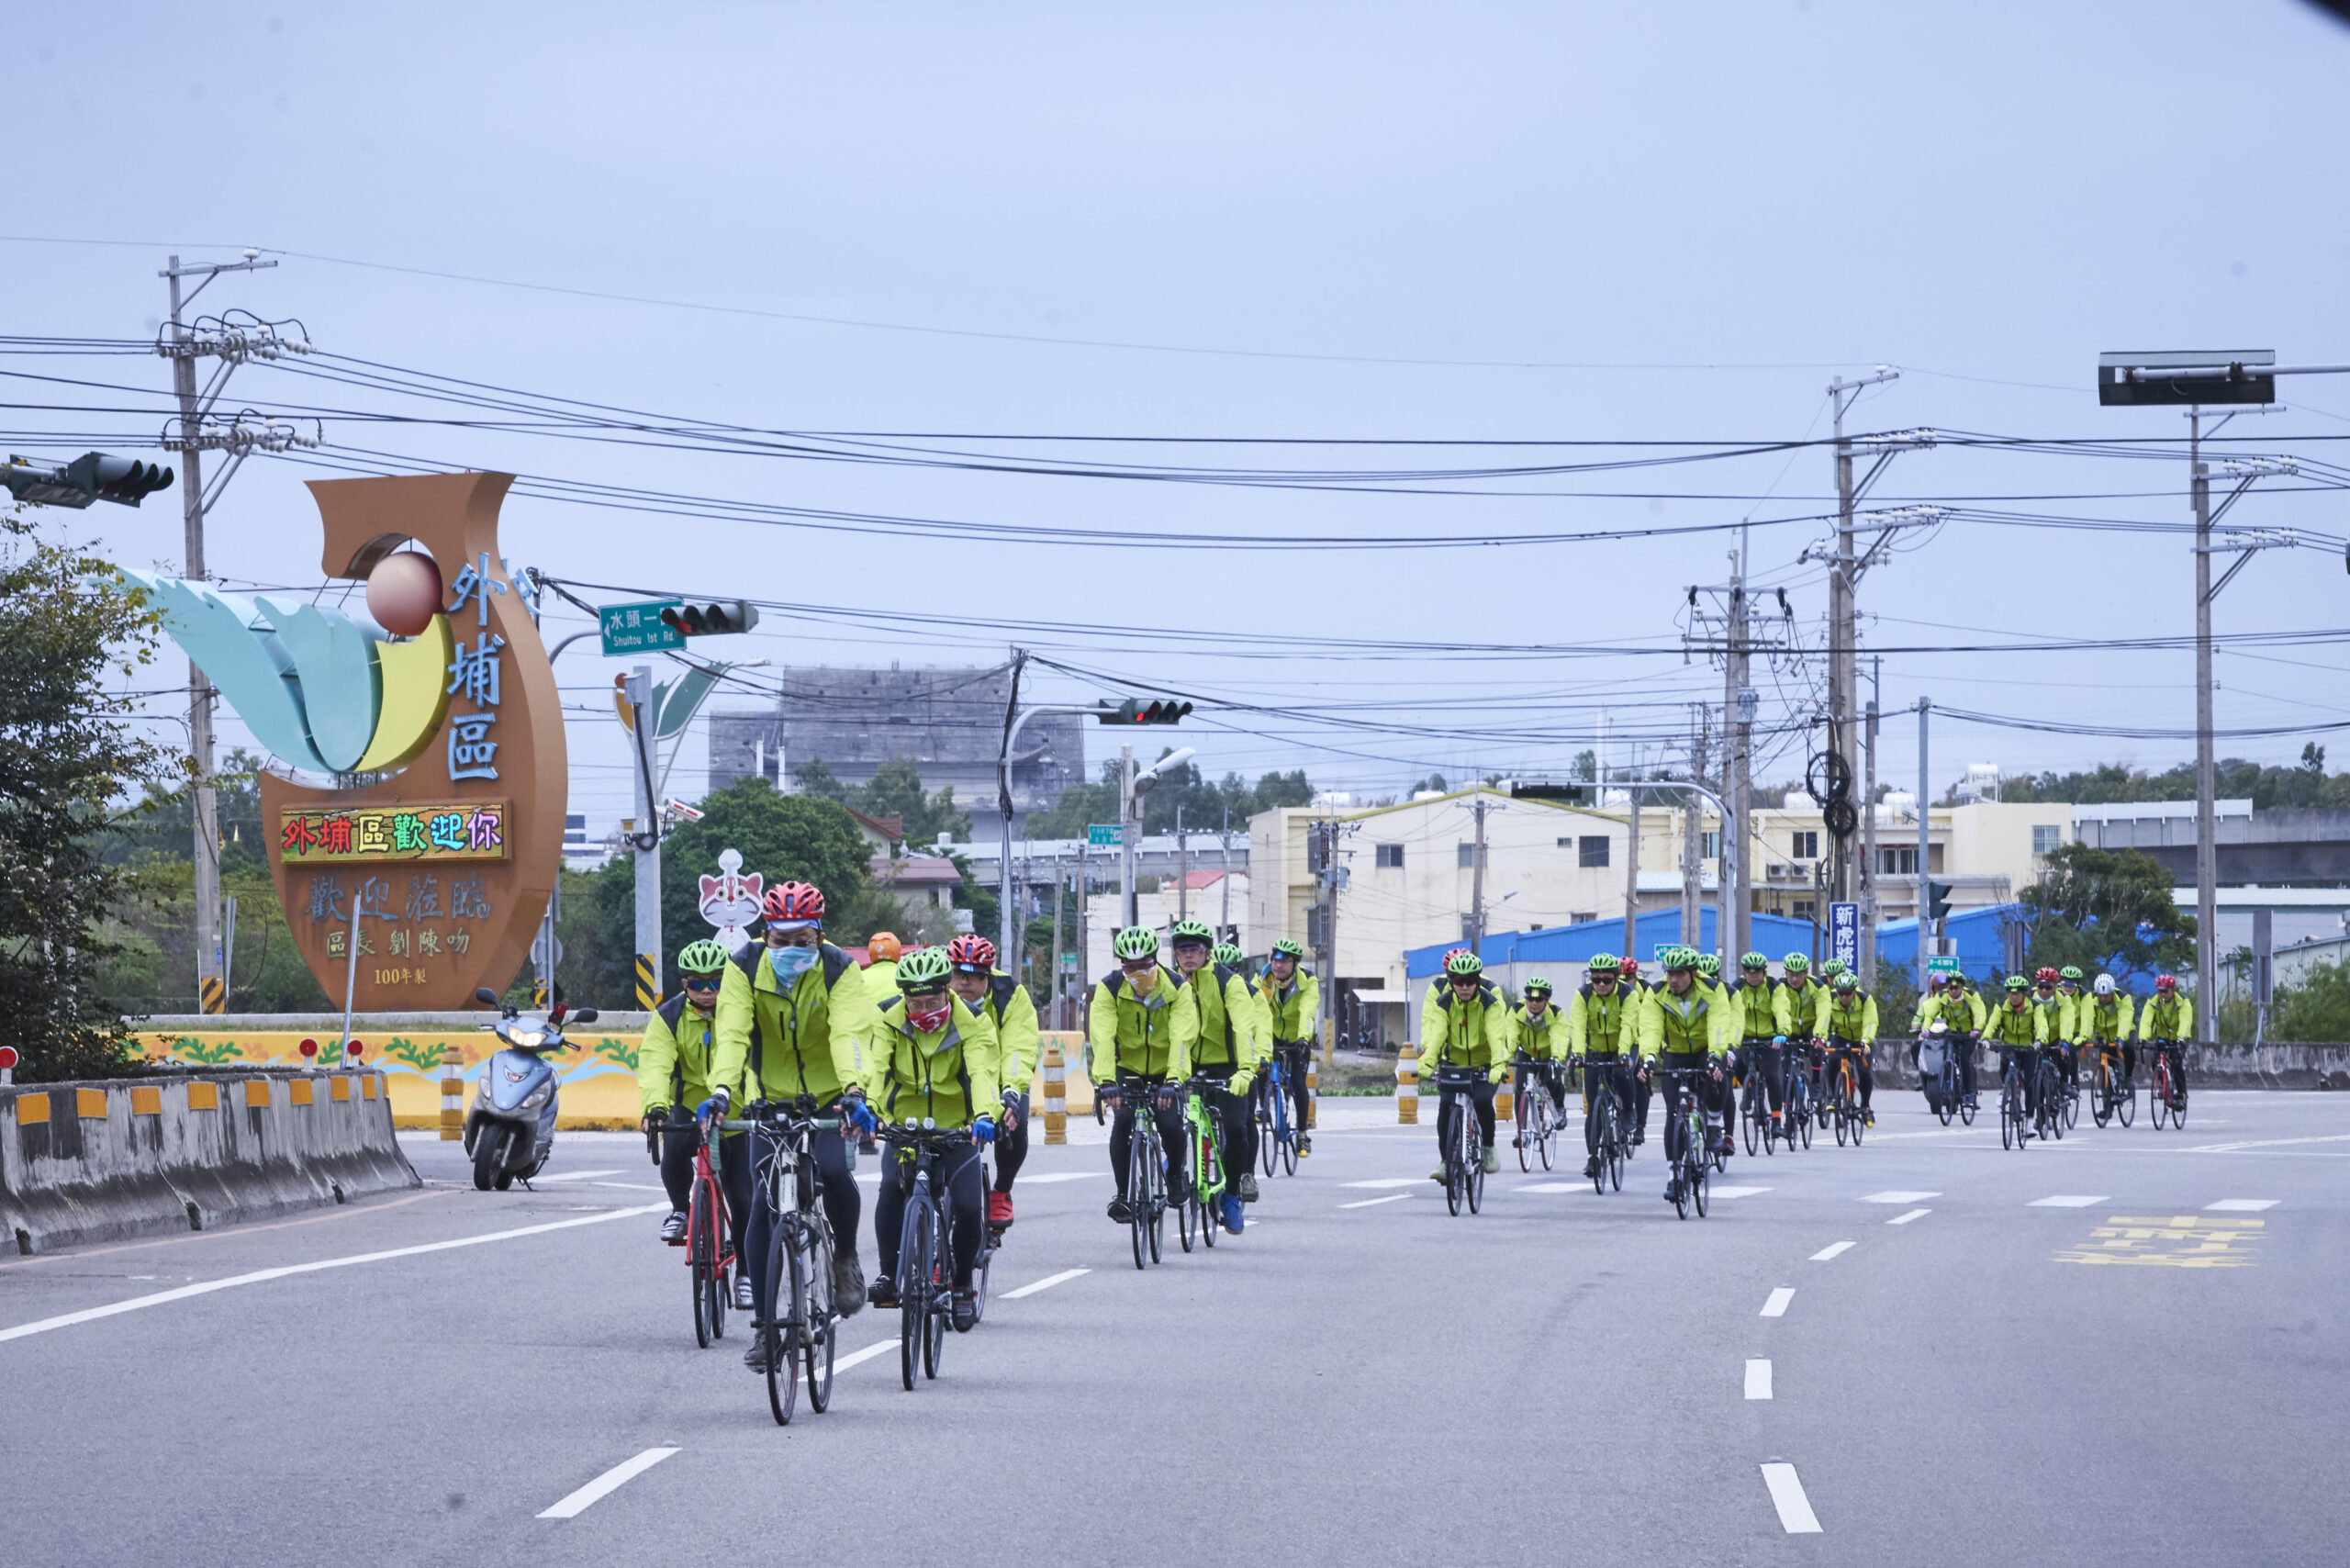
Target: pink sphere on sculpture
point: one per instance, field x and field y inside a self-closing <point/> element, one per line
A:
<point x="404" y="593"/>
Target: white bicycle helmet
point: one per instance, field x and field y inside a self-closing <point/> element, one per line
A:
<point x="2103" y="986"/>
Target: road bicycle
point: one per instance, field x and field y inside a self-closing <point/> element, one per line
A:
<point x="1464" y="1158"/>
<point x="1755" y="1121"/>
<point x="2169" y="1101"/>
<point x="925" y="1257"/>
<point x="1690" y="1139"/>
<point x="1607" y="1138"/>
<point x="1842" y="1105"/>
<point x="710" y="1252"/>
<point x="799" y="1330"/>
<point x="1203" y="1202"/>
<point x="1537" y="1120"/>
<point x="1276" y="1139"/>
<point x="1945" y="1083"/>
<point x="2112" y="1097"/>
<point x="1146" y="1173"/>
<point x="2068" y="1081"/>
<point x="2014" y="1101"/>
<point x="2049" y="1123"/>
<point x="1803" y="1104"/>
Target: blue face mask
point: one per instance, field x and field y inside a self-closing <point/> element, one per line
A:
<point x="789" y="964"/>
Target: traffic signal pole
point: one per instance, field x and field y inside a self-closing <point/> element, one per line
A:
<point x="1925" y="891"/>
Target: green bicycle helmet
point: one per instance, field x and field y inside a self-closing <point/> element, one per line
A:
<point x="1603" y="964"/>
<point x="1677" y="958"/>
<point x="1847" y="981"/>
<point x="1460" y="961"/>
<point x="1754" y="961"/>
<point x="702" y="958"/>
<point x="1796" y="964"/>
<point x="1229" y="954"/>
<point x="1289" y="947"/>
<point x="2070" y="972"/>
<point x="2019" y="982"/>
<point x="1538" y="986"/>
<point x="1832" y="968"/>
<point x="1192" y="931"/>
<point x="1709" y="965"/>
<point x="1134" y="942"/>
<point x="924" y="969"/>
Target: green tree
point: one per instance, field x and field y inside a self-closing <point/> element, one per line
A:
<point x="2107" y="910"/>
<point x="67" y="759"/>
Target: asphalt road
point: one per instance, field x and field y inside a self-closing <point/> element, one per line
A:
<point x="2065" y="1354"/>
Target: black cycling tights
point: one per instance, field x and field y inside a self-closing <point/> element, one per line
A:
<point x="1173" y="1131"/>
<point x="1010" y="1147"/>
<point x="842" y="1205"/>
<point x="966" y="1211"/>
<point x="1480" y="1095"/>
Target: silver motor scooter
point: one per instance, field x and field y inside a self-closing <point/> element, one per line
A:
<point x="511" y="1130"/>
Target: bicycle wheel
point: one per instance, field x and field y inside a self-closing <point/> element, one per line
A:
<point x="2010" y="1117"/>
<point x="1602" y="1144"/>
<point x="2072" y="1103"/>
<point x="1965" y="1106"/>
<point x="2125" y="1103"/>
<point x="1751" y="1114"/>
<point x="1455" y="1187"/>
<point x="819" y="1333"/>
<point x="1698" y="1197"/>
<point x="1138" y="1193"/>
<point x="2101" y="1097"/>
<point x="1835" y="1112"/>
<point x="701" y="1249"/>
<point x="1158" y="1204"/>
<point x="934" y="1341"/>
<point x="1184" y="1209"/>
<point x="1616" y="1161"/>
<point x="1860" y="1125"/>
<point x="1946" y="1103"/>
<point x="2159" y="1099"/>
<point x="1269" y="1134"/>
<point x="1550" y="1135"/>
<point x="1289" y="1152"/>
<point x="1477" y="1182"/>
<point x="913" y="1287"/>
<point x="784" y="1292"/>
<point x="979" y="1283"/>
<point x="1683" y="1188"/>
<point x="1215" y="1186"/>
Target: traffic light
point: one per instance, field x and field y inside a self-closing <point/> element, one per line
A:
<point x="93" y="477"/>
<point x="1143" y="711"/>
<point x="710" y="619"/>
<point x="1572" y="794"/>
<point x="1937" y="900"/>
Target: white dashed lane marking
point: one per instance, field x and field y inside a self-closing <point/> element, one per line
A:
<point x="1374" y="1203"/>
<point x="1047" y="1283"/>
<point x="1899" y="1197"/>
<point x="2069" y="1201"/>
<point x="1385" y="1181"/>
<point x="1737" y="1192"/>
<point x="1905" y="1219"/>
<point x="1787" y="1495"/>
<point x="1758" y="1379"/>
<point x="1832" y="1252"/>
<point x="606" y="1484"/>
<point x="1777" y="1305"/>
<point x="2240" y="1205"/>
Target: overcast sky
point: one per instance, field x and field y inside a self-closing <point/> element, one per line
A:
<point x="1549" y="222"/>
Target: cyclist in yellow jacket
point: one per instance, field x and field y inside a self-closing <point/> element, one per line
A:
<point x="935" y="1064"/>
<point x="2168" y="1023"/>
<point x="1142" y="1025"/>
<point x="1292" y="999"/>
<point x="1538" y="1036"/>
<point x="1464" y="1025"/>
<point x="2102" y="1021"/>
<point x="792" y="1023"/>
<point x="1005" y="1004"/>
<point x="1228" y="1049"/>
<point x="1850" y="1026"/>
<point x="1603" y="1032"/>
<point x="672" y="1078"/>
<point x="1684" y="1033"/>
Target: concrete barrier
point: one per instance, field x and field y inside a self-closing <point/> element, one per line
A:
<point x="89" y="1162"/>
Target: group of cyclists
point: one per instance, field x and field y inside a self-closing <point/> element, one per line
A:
<point x="1627" y="1034"/>
<point x="2053" y="1014"/>
<point x="942" y="1039"/>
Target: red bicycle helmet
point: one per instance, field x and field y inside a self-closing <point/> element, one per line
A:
<point x="2045" y="976"/>
<point x="970" y="951"/>
<point x="792" y="900"/>
<point x="2166" y="982"/>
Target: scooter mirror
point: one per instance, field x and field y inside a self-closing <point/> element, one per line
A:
<point x="585" y="1015"/>
<point x="485" y="996"/>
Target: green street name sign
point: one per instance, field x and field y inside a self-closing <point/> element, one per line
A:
<point x="1102" y="834"/>
<point x="1941" y="963"/>
<point x="638" y="628"/>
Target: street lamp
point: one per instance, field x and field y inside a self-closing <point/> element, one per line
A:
<point x="1138" y="785"/>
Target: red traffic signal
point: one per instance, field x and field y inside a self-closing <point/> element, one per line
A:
<point x="709" y="620"/>
<point x="1143" y="711"/>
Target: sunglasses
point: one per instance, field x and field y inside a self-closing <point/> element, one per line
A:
<point x="1137" y="965"/>
<point x="701" y="982"/>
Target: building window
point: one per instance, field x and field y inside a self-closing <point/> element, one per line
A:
<point x="2045" y="838"/>
<point x="1713" y="848"/>
<point x="1804" y="844"/>
<point x="1583" y="917"/>
<point x="1900" y="860"/>
<point x="1805" y="909"/>
<point x="1390" y="855"/>
<point x="1591" y="849"/>
<point x="1469" y="856"/>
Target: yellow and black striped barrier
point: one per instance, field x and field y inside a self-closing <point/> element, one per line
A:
<point x="1055" y="1096"/>
<point x="215" y="995"/>
<point x="453" y="1095"/>
<point x="648" y="981"/>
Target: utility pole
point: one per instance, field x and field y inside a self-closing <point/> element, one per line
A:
<point x="1084" y="930"/>
<point x="1693" y="837"/>
<point x="1477" y="878"/>
<point x="182" y="347"/>
<point x="644" y="838"/>
<point x="1868" y="834"/>
<point x="2207" y="781"/>
<point x="1843" y="674"/>
<point x="1224" y="844"/>
<point x="1333" y="879"/>
<point x="1738" y="726"/>
<point x="1183" y="869"/>
<point x="1632" y="866"/>
<point x="1925" y="888"/>
<point x="1060" y="890"/>
<point x="1128" y="828"/>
